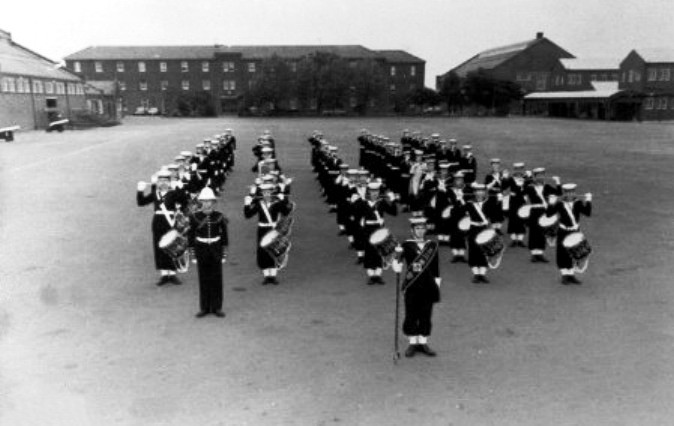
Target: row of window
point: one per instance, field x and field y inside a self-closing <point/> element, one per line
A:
<point x="23" y="85"/>
<point x="658" y="74"/>
<point x="413" y="70"/>
<point x="658" y="103"/>
<point x="227" y="85"/>
<point x="163" y="66"/>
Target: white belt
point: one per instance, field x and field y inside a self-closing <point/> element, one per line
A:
<point x="208" y="240"/>
<point x="374" y="222"/>
<point x="569" y="228"/>
<point x="267" y="225"/>
<point x="161" y="213"/>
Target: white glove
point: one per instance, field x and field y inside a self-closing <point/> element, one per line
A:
<point x="552" y="199"/>
<point x="194" y="167"/>
<point x="141" y="186"/>
<point x="588" y="197"/>
<point x="528" y="173"/>
<point x="354" y="197"/>
<point x="153" y="179"/>
<point x="248" y="200"/>
<point x="438" y="281"/>
<point x="499" y="197"/>
<point x="397" y="266"/>
<point x="506" y="174"/>
<point x="391" y="196"/>
<point x="281" y="197"/>
<point x="556" y="179"/>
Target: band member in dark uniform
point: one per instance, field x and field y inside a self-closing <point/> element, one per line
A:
<point x="421" y="286"/>
<point x="269" y="209"/>
<point x="514" y="186"/>
<point x="537" y="195"/>
<point x="458" y="200"/>
<point x="208" y="241"/>
<point x="479" y="221"/>
<point x="370" y="217"/>
<point x="468" y="164"/>
<point x="164" y="201"/>
<point x="569" y="210"/>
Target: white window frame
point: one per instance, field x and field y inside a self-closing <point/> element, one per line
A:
<point x="652" y="74"/>
<point x="49" y="87"/>
<point x="392" y="88"/>
<point x="19" y="85"/>
<point x="228" y="66"/>
<point x="142" y="86"/>
<point x="413" y="70"/>
<point x="251" y="67"/>
<point x="122" y="86"/>
<point x="648" y="103"/>
<point x="664" y="74"/>
<point x="77" y="66"/>
<point x="163" y="67"/>
<point x="119" y="66"/>
<point x="662" y="103"/>
<point x="393" y="70"/>
<point x="205" y="66"/>
<point x="184" y="66"/>
<point x="141" y="66"/>
<point x="38" y="87"/>
<point x="98" y="66"/>
<point x="185" y="85"/>
<point x="206" y="85"/>
<point x="293" y="66"/>
<point x="164" y="85"/>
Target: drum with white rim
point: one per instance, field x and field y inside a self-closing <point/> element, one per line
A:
<point x="524" y="212"/>
<point x="385" y="244"/>
<point x="175" y="245"/>
<point x="579" y="250"/>
<point x="464" y="224"/>
<point x="492" y="246"/>
<point x="549" y="226"/>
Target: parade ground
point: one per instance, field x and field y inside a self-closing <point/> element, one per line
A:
<point x="87" y="338"/>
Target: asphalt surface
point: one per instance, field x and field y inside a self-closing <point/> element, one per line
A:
<point x="86" y="338"/>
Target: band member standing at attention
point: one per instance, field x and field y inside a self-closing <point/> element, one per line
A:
<point x="164" y="201"/>
<point x="457" y="237"/>
<point x="537" y="194"/>
<point x="478" y="222"/>
<point x="569" y="210"/>
<point x="468" y="164"/>
<point x="454" y="155"/>
<point x="494" y="180"/>
<point x="370" y="216"/>
<point x="514" y="186"/>
<point x="268" y="209"/>
<point x="208" y="241"/>
<point x="421" y="286"/>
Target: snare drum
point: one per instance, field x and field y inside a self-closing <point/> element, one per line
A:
<point x="490" y="242"/>
<point x="577" y="246"/>
<point x="549" y="226"/>
<point x="275" y="243"/>
<point x="384" y="242"/>
<point x="464" y="224"/>
<point x="524" y="212"/>
<point x="173" y="243"/>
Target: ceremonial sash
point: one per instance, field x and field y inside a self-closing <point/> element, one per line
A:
<point x="420" y="264"/>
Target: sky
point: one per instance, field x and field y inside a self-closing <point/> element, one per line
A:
<point x="442" y="32"/>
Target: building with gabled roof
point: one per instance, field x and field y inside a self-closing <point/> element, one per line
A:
<point x="33" y="88"/>
<point x="528" y="63"/>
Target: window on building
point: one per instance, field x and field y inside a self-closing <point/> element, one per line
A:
<point x="98" y="66"/>
<point x="185" y="84"/>
<point x="206" y="84"/>
<point x="251" y="66"/>
<point x="293" y="103"/>
<point x="662" y="103"/>
<point x="413" y="70"/>
<point x="393" y="71"/>
<point x="648" y="103"/>
<point x="142" y="85"/>
<point x="652" y="74"/>
<point x="60" y="88"/>
<point x="162" y="67"/>
<point x="523" y="76"/>
<point x="70" y="88"/>
<point x="184" y="67"/>
<point x="229" y="85"/>
<point x="352" y="64"/>
<point x="205" y="66"/>
<point x="593" y="77"/>
<point x="228" y="66"/>
<point x="603" y="77"/>
<point x="119" y="66"/>
<point x="141" y="66"/>
<point x="19" y="85"/>
<point x="293" y="66"/>
<point x="49" y="87"/>
<point x="614" y="76"/>
<point x="671" y="103"/>
<point x="352" y="102"/>
<point x="637" y="76"/>
<point x="78" y="66"/>
<point x="37" y="86"/>
<point x="664" y="74"/>
<point x="164" y="84"/>
<point x="393" y="88"/>
<point x="122" y="86"/>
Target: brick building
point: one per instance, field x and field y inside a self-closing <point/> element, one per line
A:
<point x="647" y="75"/>
<point x="34" y="89"/>
<point x="148" y="75"/>
<point x="529" y="64"/>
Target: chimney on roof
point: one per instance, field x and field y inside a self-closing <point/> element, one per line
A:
<point x="5" y="35"/>
<point x="539" y="35"/>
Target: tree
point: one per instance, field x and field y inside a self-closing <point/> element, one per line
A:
<point x="367" y="83"/>
<point x="272" y="86"/>
<point x="424" y="97"/>
<point x="323" y="77"/>
<point x="492" y="94"/>
<point x="451" y="92"/>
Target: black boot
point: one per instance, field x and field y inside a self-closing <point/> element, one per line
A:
<point x="410" y="351"/>
<point x="424" y="349"/>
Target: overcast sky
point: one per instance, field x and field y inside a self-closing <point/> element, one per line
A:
<point x="442" y="32"/>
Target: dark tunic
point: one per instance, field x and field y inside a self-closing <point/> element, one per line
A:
<point x="203" y="228"/>
<point x="568" y="223"/>
<point x="160" y="222"/>
<point x="479" y="222"/>
<point x="516" y="225"/>
<point x="370" y="217"/>
<point x="267" y="219"/>
<point x="538" y="198"/>
<point x="421" y="294"/>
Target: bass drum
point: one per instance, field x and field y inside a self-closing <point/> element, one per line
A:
<point x="175" y="245"/>
<point x="385" y="244"/>
<point x="579" y="250"/>
<point x="278" y="246"/>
